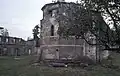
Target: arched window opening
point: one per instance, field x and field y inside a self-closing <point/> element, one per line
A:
<point x="52" y="30"/>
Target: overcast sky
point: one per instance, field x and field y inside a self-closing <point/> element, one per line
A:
<point x="20" y="16"/>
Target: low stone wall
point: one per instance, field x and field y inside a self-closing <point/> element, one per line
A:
<point x="62" y="52"/>
<point x="71" y="48"/>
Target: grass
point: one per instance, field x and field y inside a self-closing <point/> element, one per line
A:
<point x="9" y="66"/>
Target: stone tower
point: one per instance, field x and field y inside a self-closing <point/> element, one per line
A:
<point x="56" y="47"/>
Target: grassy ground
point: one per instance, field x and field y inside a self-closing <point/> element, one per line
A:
<point x="9" y="66"/>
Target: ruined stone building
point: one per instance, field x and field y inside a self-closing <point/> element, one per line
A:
<point x="55" y="47"/>
<point x="13" y="46"/>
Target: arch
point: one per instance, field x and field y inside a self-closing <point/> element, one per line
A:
<point x="52" y="30"/>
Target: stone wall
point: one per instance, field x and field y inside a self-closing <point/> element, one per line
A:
<point x="70" y="48"/>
